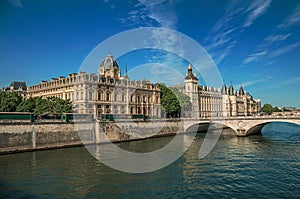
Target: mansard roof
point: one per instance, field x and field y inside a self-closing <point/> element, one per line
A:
<point x="16" y="85"/>
<point x="109" y="62"/>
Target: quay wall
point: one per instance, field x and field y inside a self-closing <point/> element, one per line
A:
<point x="25" y="136"/>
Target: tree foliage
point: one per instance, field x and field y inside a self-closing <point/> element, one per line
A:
<point x="11" y="102"/>
<point x="268" y="109"/>
<point x="276" y="109"/>
<point x="173" y="101"/>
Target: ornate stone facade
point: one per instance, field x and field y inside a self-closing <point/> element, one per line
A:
<point x="208" y="101"/>
<point x="105" y="93"/>
<point x="110" y="93"/>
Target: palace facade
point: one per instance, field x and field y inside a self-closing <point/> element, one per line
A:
<point x="105" y="93"/>
<point x="208" y="101"/>
<point x="110" y="93"/>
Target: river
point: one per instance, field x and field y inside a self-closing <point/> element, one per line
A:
<point x="260" y="166"/>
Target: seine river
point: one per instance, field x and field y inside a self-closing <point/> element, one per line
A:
<point x="266" y="166"/>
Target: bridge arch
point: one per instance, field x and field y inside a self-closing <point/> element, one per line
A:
<point x="203" y="126"/>
<point x="257" y="129"/>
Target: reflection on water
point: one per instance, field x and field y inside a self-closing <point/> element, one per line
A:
<point x="255" y="166"/>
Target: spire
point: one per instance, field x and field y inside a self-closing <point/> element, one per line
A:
<point x="224" y="89"/>
<point x="190" y="75"/>
<point x="126" y="70"/>
<point x="231" y="89"/>
<point x="241" y="91"/>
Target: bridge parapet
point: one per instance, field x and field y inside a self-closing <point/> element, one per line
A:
<point x="244" y="126"/>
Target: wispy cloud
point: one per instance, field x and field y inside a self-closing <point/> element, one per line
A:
<point x="152" y="13"/>
<point x="16" y="3"/>
<point x="276" y="44"/>
<point x="110" y="3"/>
<point x="254" y="57"/>
<point x="256" y="9"/>
<point x="252" y="82"/>
<point x="278" y="37"/>
<point x="158" y="13"/>
<point x="223" y="36"/>
<point x="283" y="50"/>
<point x="292" y="80"/>
<point x="292" y="20"/>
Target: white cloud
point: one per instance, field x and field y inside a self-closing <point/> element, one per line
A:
<point x="277" y="38"/>
<point x="152" y="13"/>
<point x="256" y="9"/>
<point x="251" y="82"/>
<point x="293" y="80"/>
<point x="254" y="57"/>
<point x="292" y="20"/>
<point x="222" y="37"/>
<point x="283" y="50"/>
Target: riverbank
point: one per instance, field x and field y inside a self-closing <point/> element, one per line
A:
<point x="24" y="136"/>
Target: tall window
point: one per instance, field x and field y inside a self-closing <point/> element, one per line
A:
<point x="131" y="98"/>
<point x="123" y="98"/>
<point x="99" y="96"/>
<point x="107" y="96"/>
<point x="138" y="98"/>
<point x="90" y="95"/>
<point x="116" y="96"/>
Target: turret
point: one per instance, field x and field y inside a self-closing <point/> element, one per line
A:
<point x="191" y="89"/>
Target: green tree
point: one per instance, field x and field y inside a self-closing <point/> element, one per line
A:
<point x="10" y="101"/>
<point x="276" y="109"/>
<point x="59" y="106"/>
<point x="41" y="106"/>
<point x="27" y="105"/>
<point x="2" y="96"/>
<point x="172" y="100"/>
<point x="268" y="109"/>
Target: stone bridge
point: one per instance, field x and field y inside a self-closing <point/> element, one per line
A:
<point x="242" y="126"/>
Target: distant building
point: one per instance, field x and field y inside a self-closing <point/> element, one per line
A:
<point x="110" y="93"/>
<point x="105" y="93"/>
<point x="208" y="101"/>
<point x="16" y="87"/>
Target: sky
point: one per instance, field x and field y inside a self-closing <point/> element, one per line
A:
<point x="254" y="44"/>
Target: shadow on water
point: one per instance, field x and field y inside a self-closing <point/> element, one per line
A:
<point x="280" y="131"/>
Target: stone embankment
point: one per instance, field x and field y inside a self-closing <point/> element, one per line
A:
<point x="26" y="136"/>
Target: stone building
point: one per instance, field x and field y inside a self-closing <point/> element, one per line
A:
<point x="105" y="93"/>
<point x="208" y="101"/>
<point x="17" y="87"/>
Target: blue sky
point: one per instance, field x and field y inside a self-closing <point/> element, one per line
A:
<point x="253" y="43"/>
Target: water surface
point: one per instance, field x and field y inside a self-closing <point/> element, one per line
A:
<point x="266" y="166"/>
